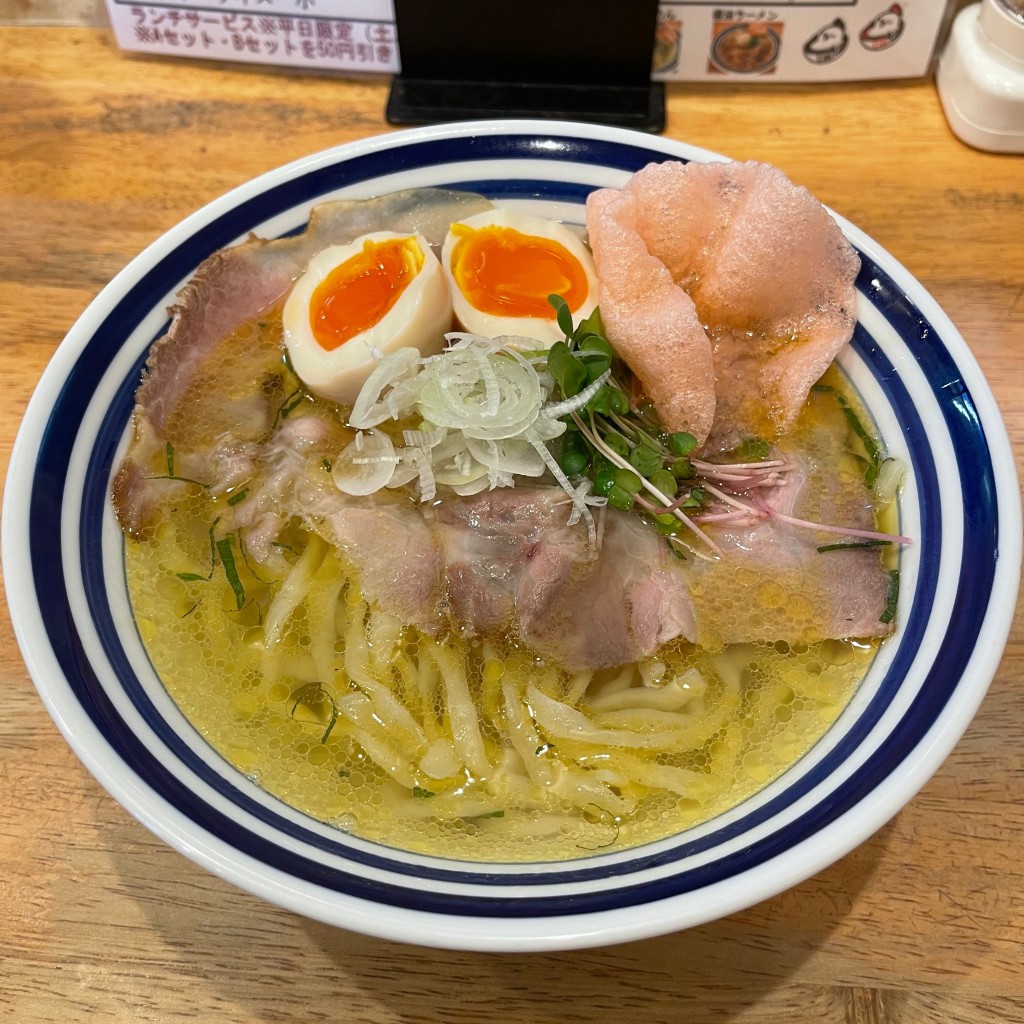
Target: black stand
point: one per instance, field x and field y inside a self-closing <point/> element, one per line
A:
<point x="579" y="60"/>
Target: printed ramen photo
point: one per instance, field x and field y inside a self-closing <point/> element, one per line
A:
<point x="747" y="48"/>
<point x="471" y="533"/>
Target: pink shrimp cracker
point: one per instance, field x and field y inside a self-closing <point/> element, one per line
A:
<point x="651" y="322"/>
<point x="769" y="274"/>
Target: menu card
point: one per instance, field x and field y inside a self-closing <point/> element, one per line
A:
<point x="695" y="41"/>
<point x="796" y="41"/>
<point x="325" y="35"/>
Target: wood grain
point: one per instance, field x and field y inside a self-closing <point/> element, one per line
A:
<point x="101" y="152"/>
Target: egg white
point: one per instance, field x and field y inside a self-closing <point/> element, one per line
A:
<point x="418" y="319"/>
<point x="545" y="331"/>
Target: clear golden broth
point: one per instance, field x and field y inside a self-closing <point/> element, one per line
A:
<point x="278" y="712"/>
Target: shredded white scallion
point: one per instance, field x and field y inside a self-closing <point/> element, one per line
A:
<point x="890" y="478"/>
<point x="555" y="410"/>
<point x="579" y="504"/>
<point x="377" y="400"/>
<point x="366" y="464"/>
<point x="428" y="487"/>
<point x="424" y="438"/>
<point x="485" y="422"/>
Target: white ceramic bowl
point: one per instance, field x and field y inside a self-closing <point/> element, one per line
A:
<point x="64" y="570"/>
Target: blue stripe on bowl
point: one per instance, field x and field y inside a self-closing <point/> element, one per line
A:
<point x="973" y="587"/>
<point x="97" y="500"/>
<point x="554" y="191"/>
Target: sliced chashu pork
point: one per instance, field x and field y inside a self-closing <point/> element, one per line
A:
<point x="772" y="583"/>
<point x="511" y="554"/>
<point x="507" y="561"/>
<point x="187" y="366"/>
<point x="727" y="289"/>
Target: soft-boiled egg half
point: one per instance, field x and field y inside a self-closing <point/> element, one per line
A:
<point x="354" y="302"/>
<point x="501" y="267"/>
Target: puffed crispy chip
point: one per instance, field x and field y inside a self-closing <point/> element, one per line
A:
<point x="727" y="289"/>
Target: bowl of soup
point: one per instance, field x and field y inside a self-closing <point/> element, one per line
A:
<point x="359" y="542"/>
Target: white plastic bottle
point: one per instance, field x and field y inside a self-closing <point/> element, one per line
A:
<point x="980" y="77"/>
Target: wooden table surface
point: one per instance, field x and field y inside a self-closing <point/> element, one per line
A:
<point x="101" y="152"/>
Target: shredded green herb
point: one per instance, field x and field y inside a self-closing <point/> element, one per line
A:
<point x="239" y="496"/>
<point x="171" y="475"/>
<point x="873" y="457"/>
<point x="227" y="559"/>
<point x="180" y="479"/>
<point x="288" y="406"/>
<point x="304" y="694"/>
<point x="213" y="546"/>
<point x="248" y="564"/>
<point x="190" y="577"/>
<point x="330" y="724"/>
<point x="602" y="817"/>
<point x="675" y="549"/>
<point x="421" y="793"/>
<point x="847" y="545"/>
<point x="892" y="597"/>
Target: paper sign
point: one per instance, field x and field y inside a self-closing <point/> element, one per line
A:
<point x="695" y="41"/>
<point x="328" y="35"/>
<point x="795" y="41"/>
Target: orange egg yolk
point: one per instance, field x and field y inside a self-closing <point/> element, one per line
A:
<point x="357" y="294"/>
<point x="503" y="272"/>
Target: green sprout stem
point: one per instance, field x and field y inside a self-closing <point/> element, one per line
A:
<point x="617" y="444"/>
<point x="593" y="436"/>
